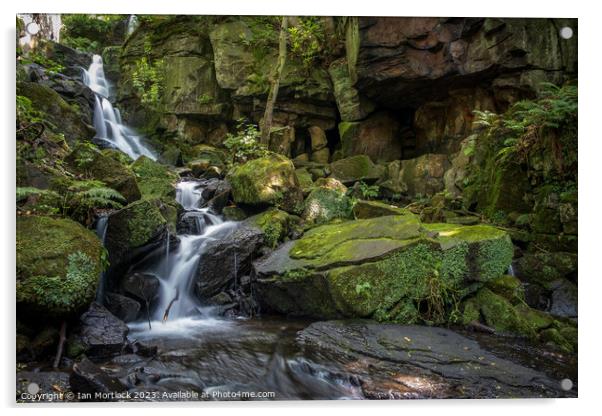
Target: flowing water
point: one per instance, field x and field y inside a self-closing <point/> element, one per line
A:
<point x="107" y="119"/>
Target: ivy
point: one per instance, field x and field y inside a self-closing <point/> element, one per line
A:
<point x="148" y="79"/>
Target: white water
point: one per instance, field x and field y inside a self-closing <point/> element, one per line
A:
<point x="177" y="270"/>
<point x="107" y="120"/>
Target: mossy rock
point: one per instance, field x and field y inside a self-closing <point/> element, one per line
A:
<point x="58" y="266"/>
<point x="234" y="213"/>
<point x="269" y="180"/>
<point x="544" y="268"/>
<point x="108" y="167"/>
<point x="490" y="248"/>
<point x="134" y="226"/>
<point x="275" y="224"/>
<point x="63" y="117"/>
<point x="500" y="314"/>
<point x="371" y="209"/>
<point x="155" y="180"/>
<point x="355" y="168"/>
<point x="324" y="204"/>
<point x="388" y="268"/>
<point x="305" y="179"/>
<point x="509" y="287"/>
<point x="213" y="155"/>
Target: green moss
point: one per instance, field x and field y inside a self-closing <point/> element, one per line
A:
<point x="305" y="179"/>
<point x="274" y="223"/>
<point x="324" y="204"/>
<point x="499" y="313"/>
<point x="58" y="264"/>
<point x="509" y="287"/>
<point x="553" y="336"/>
<point x="371" y="209"/>
<point x="491" y="249"/>
<point x="144" y="218"/>
<point x="154" y="179"/>
<point x="354" y="168"/>
<point x="269" y="180"/>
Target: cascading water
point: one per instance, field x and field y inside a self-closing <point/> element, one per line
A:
<point x="107" y="120"/>
<point x="177" y="268"/>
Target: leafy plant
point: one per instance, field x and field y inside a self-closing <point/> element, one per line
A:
<point x="306" y="40"/>
<point x="362" y="288"/>
<point x="245" y="145"/>
<point x="148" y="79"/>
<point x="520" y="131"/>
<point x="35" y="57"/>
<point x="368" y="191"/>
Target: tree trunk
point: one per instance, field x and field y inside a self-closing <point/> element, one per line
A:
<point x="274" y="84"/>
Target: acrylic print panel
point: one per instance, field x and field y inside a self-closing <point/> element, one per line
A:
<point x="294" y="208"/>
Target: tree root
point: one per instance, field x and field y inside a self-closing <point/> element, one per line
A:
<point x="59" y="349"/>
<point x="166" y="314"/>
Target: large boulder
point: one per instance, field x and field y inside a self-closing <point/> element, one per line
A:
<point x="355" y="168"/>
<point x="371" y="209"/>
<point x="89" y="379"/>
<point x="325" y="203"/>
<point x="224" y="261"/>
<point x="155" y="180"/>
<point x="390" y="268"/>
<point x="133" y="227"/>
<point x="269" y="180"/>
<point x="275" y="224"/>
<point x="58" y="266"/>
<point x="457" y="365"/>
<point x="63" y="117"/>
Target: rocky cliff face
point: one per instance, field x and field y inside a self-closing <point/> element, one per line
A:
<point x="392" y="88"/>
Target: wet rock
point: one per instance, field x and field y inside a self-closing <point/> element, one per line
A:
<point x="545" y="268"/>
<point x="87" y="377"/>
<point x="122" y="307"/>
<point x="219" y="201"/>
<point x="102" y="334"/>
<point x="136" y="228"/>
<point x="142" y="286"/>
<point x="564" y="299"/>
<point x="225" y="260"/>
<point x="460" y="365"/>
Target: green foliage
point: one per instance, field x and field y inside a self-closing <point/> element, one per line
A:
<point x="368" y="191"/>
<point x="62" y="295"/>
<point x="26" y="113"/>
<point x="83" y="44"/>
<point x="245" y="145"/>
<point x="90" y="33"/>
<point x="204" y="99"/>
<point x="148" y="79"/>
<point x="520" y="131"/>
<point x="264" y="35"/>
<point x="35" y="57"/>
<point x="39" y="201"/>
<point x="364" y="287"/>
<point x="306" y="40"/>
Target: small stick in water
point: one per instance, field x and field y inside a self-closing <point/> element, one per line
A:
<point x="59" y="350"/>
<point x="166" y="314"/>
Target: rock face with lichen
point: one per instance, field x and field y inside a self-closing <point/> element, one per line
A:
<point x="390" y="268"/>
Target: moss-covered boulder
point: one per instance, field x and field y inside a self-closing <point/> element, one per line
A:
<point x="389" y="268"/>
<point x="135" y="226"/>
<point x="269" y="180"/>
<point x="305" y="179"/>
<point x="371" y="209"/>
<point x="63" y="117"/>
<point x="275" y="224"/>
<point x="105" y="166"/>
<point x="324" y="204"/>
<point x="58" y="266"/>
<point x="423" y="175"/>
<point x="355" y="168"/>
<point x="502" y="312"/>
<point x="155" y="180"/>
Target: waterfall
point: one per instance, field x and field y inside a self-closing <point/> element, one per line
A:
<point x="107" y="120"/>
<point x="177" y="269"/>
<point x="101" y="232"/>
<point x="132" y="24"/>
